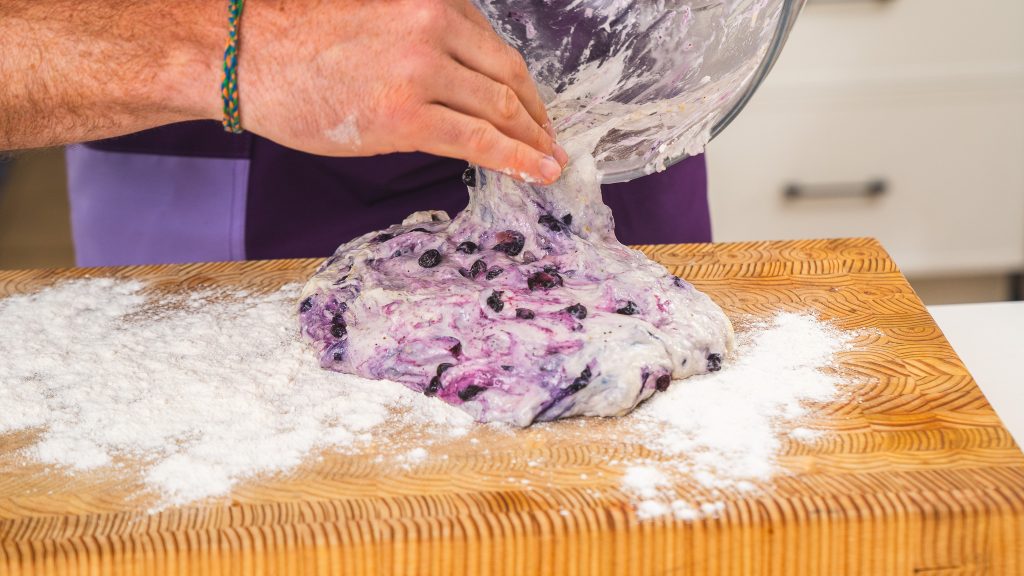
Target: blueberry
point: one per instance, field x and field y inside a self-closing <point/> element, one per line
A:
<point x="567" y="219"/>
<point x="383" y="237"/>
<point x="543" y="280"/>
<point x="339" y="330"/>
<point x="433" y="387"/>
<point x="467" y="247"/>
<point x="551" y="269"/>
<point x="525" y="314"/>
<point x="629" y="309"/>
<point x="443" y="366"/>
<point x="469" y="177"/>
<point x="714" y="362"/>
<point x="338" y="355"/>
<point x="662" y="382"/>
<point x="580" y="382"/>
<point x="306" y="304"/>
<point x="507" y="368"/>
<point x="577" y="310"/>
<point x="478" y="268"/>
<point x="510" y="242"/>
<point x="494" y="272"/>
<point x="397" y="253"/>
<point x="430" y="258"/>
<point x="456" y="350"/>
<point x="494" y="301"/>
<point x="679" y="282"/>
<point x="470" y="392"/>
<point x="552" y="223"/>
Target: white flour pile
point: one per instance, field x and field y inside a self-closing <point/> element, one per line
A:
<point x="213" y="387"/>
<point x="723" y="429"/>
<point x="208" y="388"/>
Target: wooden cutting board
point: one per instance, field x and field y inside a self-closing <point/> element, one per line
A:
<point x="916" y="476"/>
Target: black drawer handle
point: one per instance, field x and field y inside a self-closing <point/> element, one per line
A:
<point x="870" y="189"/>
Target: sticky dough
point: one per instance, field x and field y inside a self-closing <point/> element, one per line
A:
<point x="522" y="308"/>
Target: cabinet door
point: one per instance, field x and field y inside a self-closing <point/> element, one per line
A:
<point x="952" y="167"/>
<point x="941" y="134"/>
<point x="867" y="41"/>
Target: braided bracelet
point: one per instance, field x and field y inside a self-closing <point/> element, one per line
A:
<point x="229" y="88"/>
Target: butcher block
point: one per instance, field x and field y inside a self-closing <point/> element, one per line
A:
<point x="915" y="474"/>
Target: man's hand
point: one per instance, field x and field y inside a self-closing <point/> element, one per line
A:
<point x="357" y="77"/>
<point x="340" y="78"/>
<point x="78" y="70"/>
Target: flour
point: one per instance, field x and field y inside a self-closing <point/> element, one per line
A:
<point x="346" y="133"/>
<point x="723" y="429"/>
<point x="193" y="393"/>
<point x="644" y="480"/>
<point x="206" y="388"/>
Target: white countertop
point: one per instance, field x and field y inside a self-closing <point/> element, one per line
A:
<point x="989" y="338"/>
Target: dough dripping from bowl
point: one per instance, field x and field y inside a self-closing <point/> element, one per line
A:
<point x="522" y="308"/>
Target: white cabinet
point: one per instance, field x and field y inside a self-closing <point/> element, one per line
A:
<point x="924" y="96"/>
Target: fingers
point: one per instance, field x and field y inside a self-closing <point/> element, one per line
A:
<point x="447" y="132"/>
<point x="467" y="9"/>
<point x="483" y="51"/>
<point x="479" y="96"/>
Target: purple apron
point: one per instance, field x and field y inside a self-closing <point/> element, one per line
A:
<point x="192" y="193"/>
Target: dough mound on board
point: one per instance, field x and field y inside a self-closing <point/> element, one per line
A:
<point x="522" y="308"/>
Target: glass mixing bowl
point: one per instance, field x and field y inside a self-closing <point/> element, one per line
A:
<point x="644" y="83"/>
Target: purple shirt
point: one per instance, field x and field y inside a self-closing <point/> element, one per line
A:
<point x="192" y="192"/>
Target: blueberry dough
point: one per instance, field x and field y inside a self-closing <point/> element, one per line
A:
<point x="523" y="308"/>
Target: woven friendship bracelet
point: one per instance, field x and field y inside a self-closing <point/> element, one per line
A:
<point x="229" y="88"/>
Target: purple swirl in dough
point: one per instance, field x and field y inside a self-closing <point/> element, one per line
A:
<point x="523" y="308"/>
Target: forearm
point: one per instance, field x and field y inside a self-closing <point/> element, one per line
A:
<point x="79" y="70"/>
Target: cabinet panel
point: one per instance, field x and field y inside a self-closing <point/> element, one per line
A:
<point x="866" y="41"/>
<point x="952" y="164"/>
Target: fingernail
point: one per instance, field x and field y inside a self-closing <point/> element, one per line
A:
<point x="560" y="154"/>
<point x="550" y="129"/>
<point x="550" y="169"/>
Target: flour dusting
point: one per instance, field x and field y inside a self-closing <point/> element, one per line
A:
<point x="723" y="429"/>
<point x="191" y="393"/>
<point x="346" y="133"/>
<point x="206" y="388"/>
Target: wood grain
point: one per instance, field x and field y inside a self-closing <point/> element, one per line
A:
<point x="916" y="476"/>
